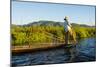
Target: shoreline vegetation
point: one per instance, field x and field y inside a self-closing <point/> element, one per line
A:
<point x="45" y="34"/>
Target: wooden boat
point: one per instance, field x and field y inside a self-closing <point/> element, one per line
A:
<point x="26" y="49"/>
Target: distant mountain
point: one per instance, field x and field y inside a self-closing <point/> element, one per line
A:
<point x="82" y="25"/>
<point x="44" y="23"/>
<point x="52" y="23"/>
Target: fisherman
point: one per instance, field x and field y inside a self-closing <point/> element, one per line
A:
<point x="69" y="30"/>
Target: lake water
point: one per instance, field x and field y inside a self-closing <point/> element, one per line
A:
<point x="85" y="51"/>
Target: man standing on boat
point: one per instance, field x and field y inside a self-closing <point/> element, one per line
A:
<point x="68" y="30"/>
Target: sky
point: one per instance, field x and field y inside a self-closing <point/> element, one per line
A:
<point x="27" y="12"/>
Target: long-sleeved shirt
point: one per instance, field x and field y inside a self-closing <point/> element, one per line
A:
<point x="67" y="26"/>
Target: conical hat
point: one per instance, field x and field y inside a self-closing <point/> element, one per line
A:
<point x="66" y="17"/>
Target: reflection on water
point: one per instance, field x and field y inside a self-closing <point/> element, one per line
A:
<point x="83" y="52"/>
